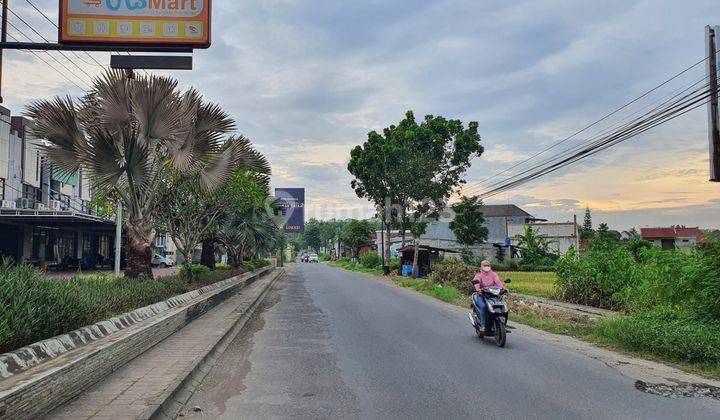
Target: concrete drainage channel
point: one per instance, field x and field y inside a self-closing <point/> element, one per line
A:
<point x="173" y="402"/>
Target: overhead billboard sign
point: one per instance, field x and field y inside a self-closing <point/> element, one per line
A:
<point x="293" y="210"/>
<point x="144" y="22"/>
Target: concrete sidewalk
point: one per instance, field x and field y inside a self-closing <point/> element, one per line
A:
<point x="138" y="389"/>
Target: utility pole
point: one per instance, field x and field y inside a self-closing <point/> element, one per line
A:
<point x="118" y="236"/>
<point x="714" y="129"/>
<point x="3" y="37"/>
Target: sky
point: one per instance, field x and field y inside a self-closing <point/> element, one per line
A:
<point x="307" y="80"/>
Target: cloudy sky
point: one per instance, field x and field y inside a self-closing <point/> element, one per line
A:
<point x="307" y="80"/>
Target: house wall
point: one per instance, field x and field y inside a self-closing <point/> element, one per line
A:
<point x="13" y="183"/>
<point x="4" y="144"/>
<point x="562" y="235"/>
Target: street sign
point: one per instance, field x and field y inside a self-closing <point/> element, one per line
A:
<point x="132" y="22"/>
<point x="293" y="211"/>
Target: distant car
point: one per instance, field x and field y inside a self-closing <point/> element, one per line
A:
<point x="313" y="258"/>
<point x="162" y="261"/>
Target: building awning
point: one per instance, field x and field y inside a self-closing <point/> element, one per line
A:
<point x="61" y="176"/>
<point x="55" y="219"/>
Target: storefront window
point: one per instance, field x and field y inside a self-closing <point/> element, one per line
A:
<point x="87" y="248"/>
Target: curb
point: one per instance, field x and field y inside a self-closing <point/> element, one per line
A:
<point x="179" y="392"/>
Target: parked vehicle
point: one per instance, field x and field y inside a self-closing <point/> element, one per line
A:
<point x="313" y="258"/>
<point x="162" y="261"/>
<point x="496" y="320"/>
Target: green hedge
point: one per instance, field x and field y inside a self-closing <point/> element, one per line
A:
<point x="253" y="265"/>
<point x="33" y="307"/>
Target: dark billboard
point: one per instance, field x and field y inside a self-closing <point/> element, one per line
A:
<point x="293" y="210"/>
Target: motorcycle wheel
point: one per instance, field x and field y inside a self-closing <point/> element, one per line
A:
<point x="500" y="333"/>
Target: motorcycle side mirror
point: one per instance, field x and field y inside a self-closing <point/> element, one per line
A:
<point x="475" y="281"/>
<point x="508" y="281"/>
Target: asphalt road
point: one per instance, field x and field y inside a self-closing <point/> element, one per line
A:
<point x="335" y="344"/>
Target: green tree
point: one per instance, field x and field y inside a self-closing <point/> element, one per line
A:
<point x="190" y="212"/>
<point x="535" y="248"/>
<point x="246" y="188"/>
<point x="469" y="221"/>
<point x="586" y="232"/>
<point x="312" y="234"/>
<point x="356" y="234"/>
<point x="127" y="135"/>
<point x="412" y="163"/>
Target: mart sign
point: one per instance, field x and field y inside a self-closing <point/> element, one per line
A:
<point x="128" y="22"/>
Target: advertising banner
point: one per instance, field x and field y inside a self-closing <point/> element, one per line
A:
<point x="156" y="22"/>
<point x="293" y="211"/>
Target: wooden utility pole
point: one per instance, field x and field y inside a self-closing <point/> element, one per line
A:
<point x="714" y="129"/>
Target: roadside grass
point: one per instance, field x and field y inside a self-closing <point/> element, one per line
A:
<point x="537" y="283"/>
<point x="353" y="266"/>
<point x="448" y="294"/>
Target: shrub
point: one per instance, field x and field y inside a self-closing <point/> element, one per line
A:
<point x="197" y="270"/>
<point x="452" y="272"/>
<point x="220" y="266"/>
<point x="370" y="260"/>
<point x="395" y="265"/>
<point x="325" y="256"/>
<point x="33" y="307"/>
<point x="597" y="278"/>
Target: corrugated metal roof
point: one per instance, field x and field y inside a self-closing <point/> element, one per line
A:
<point x="671" y="232"/>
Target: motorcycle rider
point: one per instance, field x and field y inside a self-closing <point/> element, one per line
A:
<point x="486" y="277"/>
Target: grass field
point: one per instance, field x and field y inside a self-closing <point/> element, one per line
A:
<point x="538" y="283"/>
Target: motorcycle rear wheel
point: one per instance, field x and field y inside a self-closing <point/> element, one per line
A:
<point x="500" y="333"/>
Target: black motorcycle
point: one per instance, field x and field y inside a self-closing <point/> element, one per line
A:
<point x="497" y="317"/>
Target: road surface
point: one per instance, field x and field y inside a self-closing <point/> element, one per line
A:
<point x="335" y="344"/>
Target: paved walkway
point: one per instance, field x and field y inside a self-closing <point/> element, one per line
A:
<point x="132" y="389"/>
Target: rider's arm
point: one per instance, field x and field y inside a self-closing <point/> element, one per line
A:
<point x="498" y="282"/>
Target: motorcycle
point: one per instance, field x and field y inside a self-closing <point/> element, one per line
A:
<point x="496" y="320"/>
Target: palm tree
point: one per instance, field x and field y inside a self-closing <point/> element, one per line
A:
<point x="248" y="233"/>
<point x="128" y="135"/>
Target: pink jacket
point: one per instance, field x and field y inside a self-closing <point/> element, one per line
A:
<point x="487" y="279"/>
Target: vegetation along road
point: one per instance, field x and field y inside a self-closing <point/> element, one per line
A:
<point x="337" y="344"/>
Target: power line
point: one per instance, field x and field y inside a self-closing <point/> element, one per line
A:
<point x="47" y="40"/>
<point x="48" y="64"/>
<point x="57" y="27"/>
<point x="615" y="111"/>
<point x="48" y="53"/>
<point x="679" y="107"/>
<point x="600" y="135"/>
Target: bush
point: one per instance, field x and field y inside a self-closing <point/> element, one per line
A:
<point x="252" y="265"/>
<point x="220" y="266"/>
<point x="679" y="335"/>
<point x="370" y="260"/>
<point x="34" y="308"/>
<point x="452" y="272"/>
<point x="197" y="270"/>
<point x="395" y="265"/>
<point x="597" y="278"/>
<point x="324" y="257"/>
